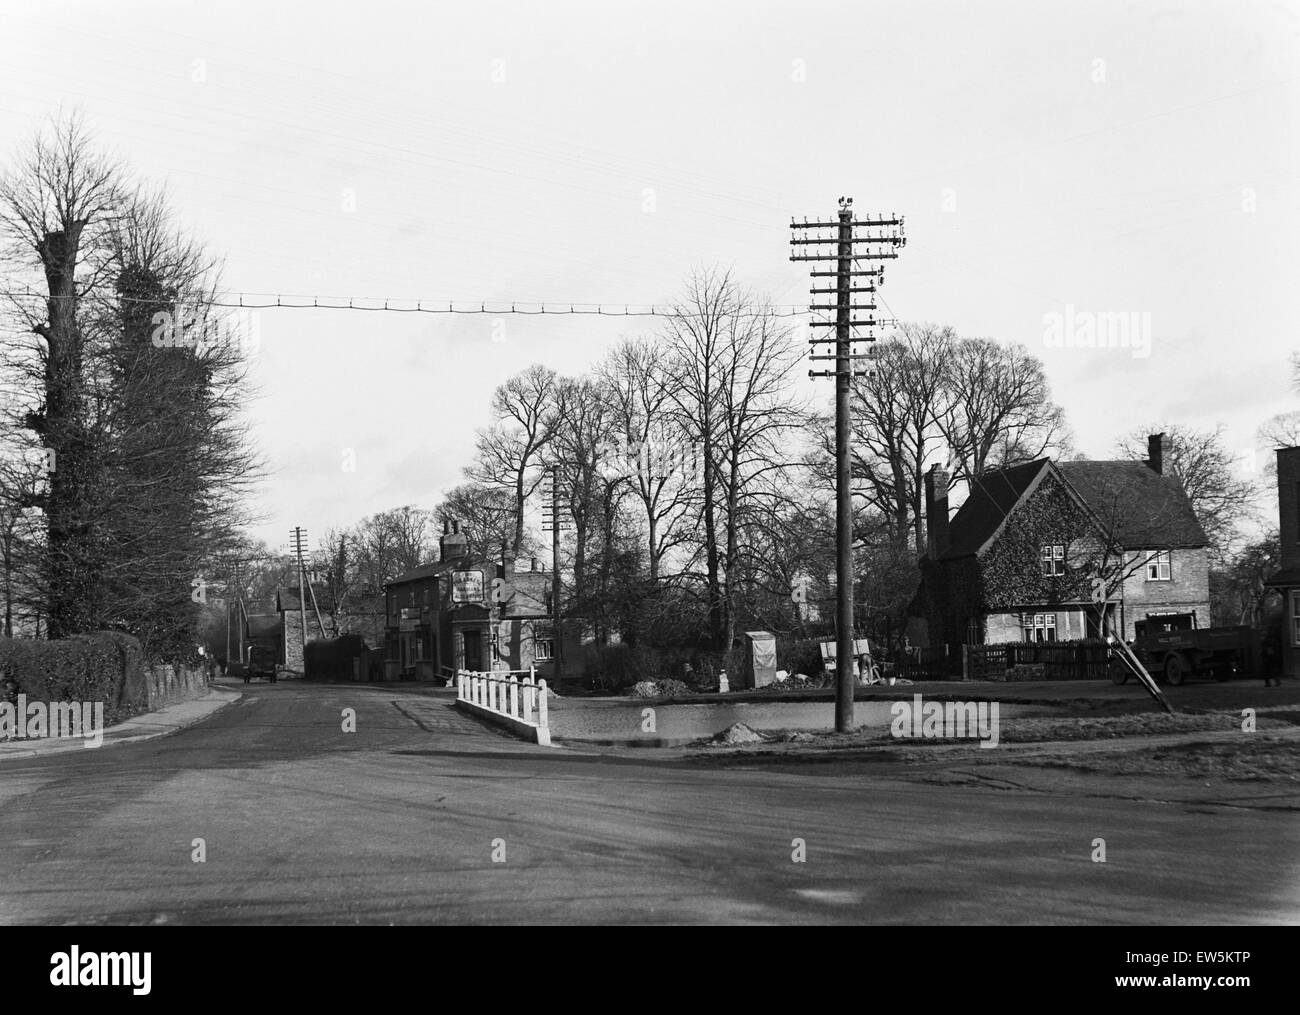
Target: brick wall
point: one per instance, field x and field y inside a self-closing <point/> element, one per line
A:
<point x="1188" y="589"/>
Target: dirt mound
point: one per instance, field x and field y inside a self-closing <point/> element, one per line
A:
<point x="738" y="733"/>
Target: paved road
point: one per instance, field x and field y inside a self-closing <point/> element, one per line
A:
<point x="303" y="823"/>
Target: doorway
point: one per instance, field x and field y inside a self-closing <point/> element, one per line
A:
<point x="473" y="650"/>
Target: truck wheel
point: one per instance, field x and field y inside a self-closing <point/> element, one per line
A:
<point x="1118" y="674"/>
<point x="1175" y="671"/>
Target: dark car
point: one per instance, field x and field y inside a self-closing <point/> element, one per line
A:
<point x="261" y="663"/>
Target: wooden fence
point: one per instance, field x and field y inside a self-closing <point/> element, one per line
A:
<point x="1037" y="660"/>
<point x="928" y="664"/>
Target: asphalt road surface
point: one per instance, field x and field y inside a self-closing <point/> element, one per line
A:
<point x="426" y="816"/>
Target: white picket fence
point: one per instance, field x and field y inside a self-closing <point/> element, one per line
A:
<point x="506" y="694"/>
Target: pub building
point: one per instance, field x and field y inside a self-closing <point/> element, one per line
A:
<point x="467" y="613"/>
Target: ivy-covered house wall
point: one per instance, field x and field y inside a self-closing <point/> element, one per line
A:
<point x="1012" y="573"/>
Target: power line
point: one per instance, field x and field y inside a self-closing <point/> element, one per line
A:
<point x="387" y="305"/>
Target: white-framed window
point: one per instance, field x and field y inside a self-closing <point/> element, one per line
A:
<point x="1052" y="559"/>
<point x="1158" y="567"/>
<point x="1295" y="618"/>
<point x="544" y="648"/>
<point x="1039" y="626"/>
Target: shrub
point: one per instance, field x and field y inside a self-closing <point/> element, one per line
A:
<point x="107" y="667"/>
<point x="669" y="688"/>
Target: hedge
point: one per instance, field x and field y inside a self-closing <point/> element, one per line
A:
<point x="107" y="666"/>
<point x="331" y="658"/>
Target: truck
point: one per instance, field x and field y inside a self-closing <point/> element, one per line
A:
<point x="261" y="663"/>
<point x="1172" y="646"/>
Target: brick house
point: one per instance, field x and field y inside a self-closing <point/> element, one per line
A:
<point x="1287" y="578"/>
<point x="1024" y="556"/>
<point x="472" y="613"/>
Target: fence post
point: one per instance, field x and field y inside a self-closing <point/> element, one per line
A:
<point x="514" y="697"/>
<point x="965" y="662"/>
<point x="542" y="721"/>
<point x="528" y="699"/>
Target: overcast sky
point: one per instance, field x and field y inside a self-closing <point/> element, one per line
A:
<point x="1105" y="156"/>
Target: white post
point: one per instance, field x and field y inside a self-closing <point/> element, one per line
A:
<point x="514" y="697"/>
<point x="529" y="694"/>
<point x="541" y="706"/>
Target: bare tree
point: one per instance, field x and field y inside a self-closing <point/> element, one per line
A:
<point x="994" y="408"/>
<point x="636" y="382"/>
<point x="487" y="517"/>
<point x="1200" y="459"/>
<point x="56" y="204"/>
<point x="509" y="453"/>
<point x="732" y="363"/>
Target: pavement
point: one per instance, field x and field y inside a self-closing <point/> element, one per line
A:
<point x="160" y="723"/>
<point x="271" y="812"/>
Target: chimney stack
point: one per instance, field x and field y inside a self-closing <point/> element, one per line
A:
<point x="452" y="545"/>
<point x="936" y="512"/>
<point x="1288" y="506"/>
<point x="1160" y="453"/>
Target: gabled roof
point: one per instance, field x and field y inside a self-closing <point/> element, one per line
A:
<point x="1145" y="509"/>
<point x="989" y="504"/>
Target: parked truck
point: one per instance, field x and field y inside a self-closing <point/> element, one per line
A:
<point x="1173" y="647"/>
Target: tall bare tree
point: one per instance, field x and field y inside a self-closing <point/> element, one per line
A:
<point x="995" y="409"/>
<point x="509" y="453"/>
<point x="56" y="204"/>
<point x="732" y="364"/>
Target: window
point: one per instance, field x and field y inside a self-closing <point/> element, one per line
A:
<point x="1158" y="567"/>
<point x="545" y="649"/>
<point x="1295" y="618"/>
<point x="1053" y="559"/>
<point x="1039" y="626"/>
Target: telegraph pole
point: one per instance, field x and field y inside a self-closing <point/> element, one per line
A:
<point x="299" y="542"/>
<point x="553" y="521"/>
<point x="846" y="255"/>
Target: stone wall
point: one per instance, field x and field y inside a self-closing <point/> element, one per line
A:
<point x="165" y="684"/>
